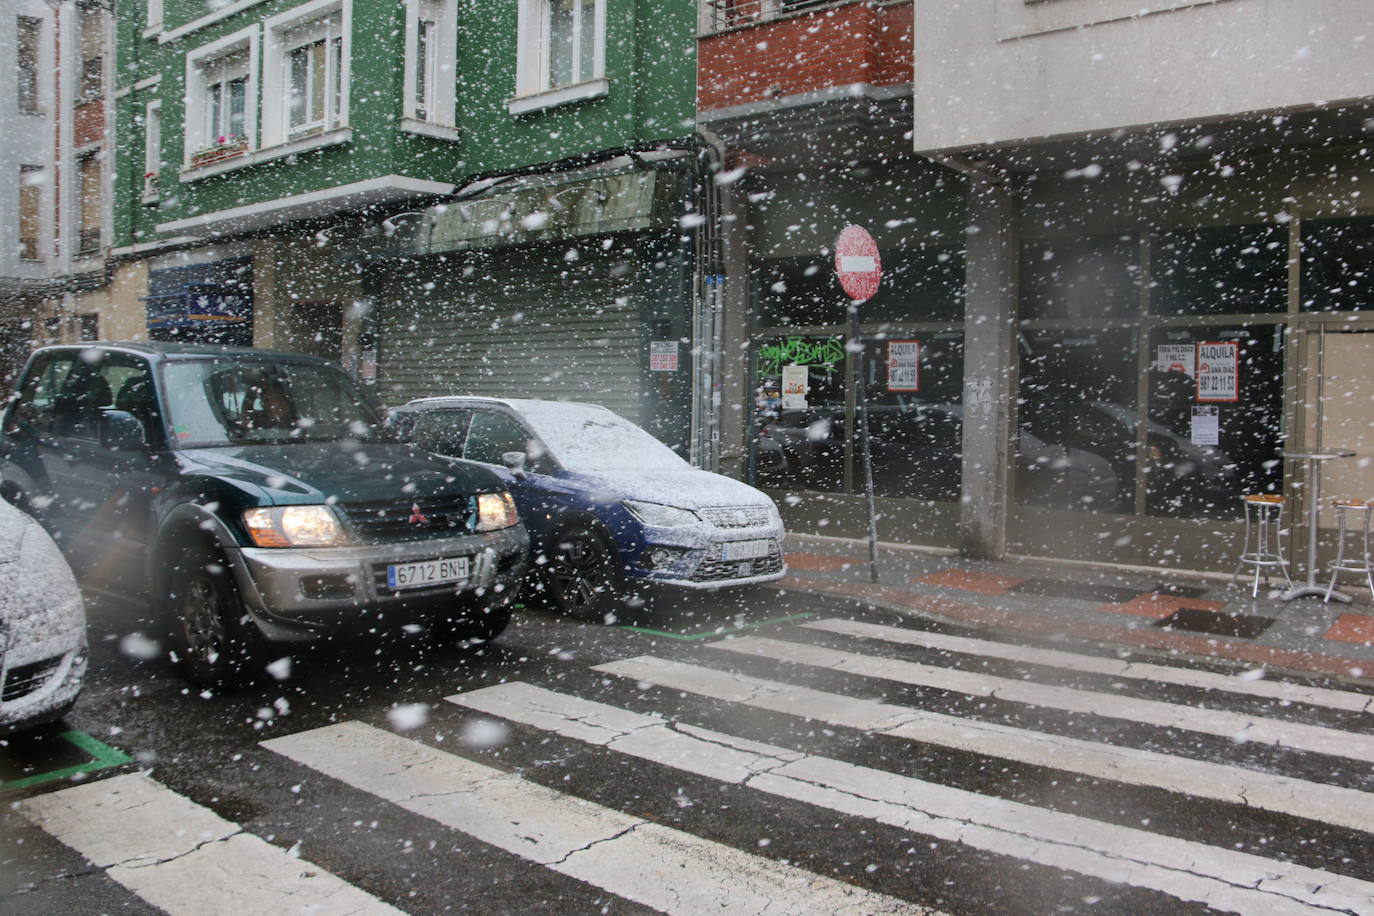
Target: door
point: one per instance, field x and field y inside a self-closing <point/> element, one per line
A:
<point x="1346" y="417"/>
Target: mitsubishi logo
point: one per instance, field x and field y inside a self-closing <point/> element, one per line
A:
<point x="416" y="516"/>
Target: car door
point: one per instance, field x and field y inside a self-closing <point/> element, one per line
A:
<point x="541" y="496"/>
<point x="105" y="493"/>
<point x="36" y="427"/>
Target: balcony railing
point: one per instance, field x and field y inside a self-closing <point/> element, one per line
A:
<point x="723" y="15"/>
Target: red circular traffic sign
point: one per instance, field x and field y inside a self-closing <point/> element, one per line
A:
<point x="857" y="263"/>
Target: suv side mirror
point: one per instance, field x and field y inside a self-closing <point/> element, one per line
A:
<point x="515" y="463"/>
<point x="121" y="431"/>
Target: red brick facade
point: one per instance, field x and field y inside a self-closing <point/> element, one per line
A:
<point x="859" y="42"/>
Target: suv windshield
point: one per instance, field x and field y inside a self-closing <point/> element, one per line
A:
<point x="245" y="402"/>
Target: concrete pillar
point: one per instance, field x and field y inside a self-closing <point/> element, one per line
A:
<point x="736" y="394"/>
<point x="989" y="369"/>
<point x="267" y="304"/>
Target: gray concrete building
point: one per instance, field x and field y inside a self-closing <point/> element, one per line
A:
<point x="1170" y="233"/>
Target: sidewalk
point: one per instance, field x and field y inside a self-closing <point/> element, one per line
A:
<point x="1046" y="601"/>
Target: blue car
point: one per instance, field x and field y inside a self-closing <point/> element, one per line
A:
<point x="606" y="504"/>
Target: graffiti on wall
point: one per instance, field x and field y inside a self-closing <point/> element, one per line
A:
<point x="823" y="352"/>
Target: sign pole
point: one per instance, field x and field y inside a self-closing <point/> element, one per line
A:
<point x="859" y="269"/>
<point x="861" y="408"/>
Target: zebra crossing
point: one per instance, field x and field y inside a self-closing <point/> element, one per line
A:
<point x="828" y="766"/>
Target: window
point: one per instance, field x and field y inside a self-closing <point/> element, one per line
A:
<point x="491" y="435"/>
<point x="306" y="72"/>
<point x="562" y="44"/>
<point x="30" y="204"/>
<point x="92" y="26"/>
<point x="152" y="148"/>
<point x="29" y="30"/>
<point x="44" y="390"/>
<point x="431" y="35"/>
<point x="88" y="177"/>
<point x="221" y="99"/>
<point x="442" y="432"/>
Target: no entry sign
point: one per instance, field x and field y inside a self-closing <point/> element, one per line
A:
<point x="857" y="263"/>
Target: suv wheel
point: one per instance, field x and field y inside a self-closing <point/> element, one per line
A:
<point x="580" y="577"/>
<point x="482" y="625"/>
<point x="211" y="645"/>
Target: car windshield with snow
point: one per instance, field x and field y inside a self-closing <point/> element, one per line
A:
<point x="256" y="497"/>
<point x="607" y="505"/>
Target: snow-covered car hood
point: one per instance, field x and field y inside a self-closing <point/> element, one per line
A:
<point x="686" y="489"/>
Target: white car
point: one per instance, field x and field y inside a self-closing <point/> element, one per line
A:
<point x="42" y="626"/>
<point x="606" y="504"/>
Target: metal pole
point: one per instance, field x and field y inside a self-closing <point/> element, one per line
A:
<point x="861" y="408"/>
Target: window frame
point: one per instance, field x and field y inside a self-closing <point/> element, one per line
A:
<point x="441" y="95"/>
<point x="31" y="198"/>
<point x="198" y="64"/>
<point x="28" y="55"/>
<point x="289" y="31"/>
<point x="152" y="149"/>
<point x="534" y="88"/>
<point x="89" y="203"/>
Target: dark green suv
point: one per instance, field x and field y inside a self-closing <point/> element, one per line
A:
<point x="255" y="496"/>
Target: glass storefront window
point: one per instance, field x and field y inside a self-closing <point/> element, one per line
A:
<point x="921" y="284"/>
<point x="1084" y="278"/>
<point x="913" y="385"/>
<point x="1220" y="270"/>
<point x="799" y="413"/>
<point x="1337" y="260"/>
<point x="1214" y="419"/>
<point x="1076" y="445"/>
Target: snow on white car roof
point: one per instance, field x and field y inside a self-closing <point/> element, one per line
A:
<point x="586" y="437"/>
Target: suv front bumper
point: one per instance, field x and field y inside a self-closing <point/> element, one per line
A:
<point x="295" y="594"/>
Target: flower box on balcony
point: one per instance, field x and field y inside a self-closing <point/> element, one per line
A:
<point x="224" y="148"/>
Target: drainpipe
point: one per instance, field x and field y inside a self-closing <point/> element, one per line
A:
<point x="709" y="305"/>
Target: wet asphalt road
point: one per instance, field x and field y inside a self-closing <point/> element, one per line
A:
<point x="206" y="746"/>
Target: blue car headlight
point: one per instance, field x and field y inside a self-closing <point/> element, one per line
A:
<point x="661" y="516"/>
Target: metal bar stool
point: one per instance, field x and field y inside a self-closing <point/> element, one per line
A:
<point x="1343" y="508"/>
<point x="1263" y="526"/>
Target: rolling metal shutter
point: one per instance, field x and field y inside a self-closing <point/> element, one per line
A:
<point x="513" y="323"/>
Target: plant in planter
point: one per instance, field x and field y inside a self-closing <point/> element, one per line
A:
<point x="223" y="148"/>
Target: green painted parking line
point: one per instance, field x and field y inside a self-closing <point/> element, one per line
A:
<point x="102" y="757"/>
<point x="692" y="637"/>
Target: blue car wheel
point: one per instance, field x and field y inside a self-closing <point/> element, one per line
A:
<point x="580" y="576"/>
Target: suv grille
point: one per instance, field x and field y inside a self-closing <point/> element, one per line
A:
<point x="735" y="516"/>
<point x="25" y="679"/>
<point x="718" y="570"/>
<point x="412" y="519"/>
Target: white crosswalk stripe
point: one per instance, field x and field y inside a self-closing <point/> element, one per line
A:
<point x="1236" y="726"/>
<point x="1071" y="661"/>
<point x="185" y="859"/>
<point x="1191" y="871"/>
<point x="669" y="870"/>
<point x="1285" y="795"/>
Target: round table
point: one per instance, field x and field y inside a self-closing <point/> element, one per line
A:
<point x="1313" y="483"/>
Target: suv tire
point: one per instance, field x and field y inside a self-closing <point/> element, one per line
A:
<point x="204" y="618"/>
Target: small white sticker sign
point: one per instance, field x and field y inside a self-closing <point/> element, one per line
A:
<point x="1206" y="425"/>
<point x="1218" y="371"/>
<point x="794" y="387"/>
<point x="663" y="356"/>
<point x="904" y="365"/>
<point x="1176" y="358"/>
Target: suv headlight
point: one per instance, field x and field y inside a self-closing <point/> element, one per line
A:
<point x="661" y="516"/>
<point x="496" y="511"/>
<point x="295" y="526"/>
